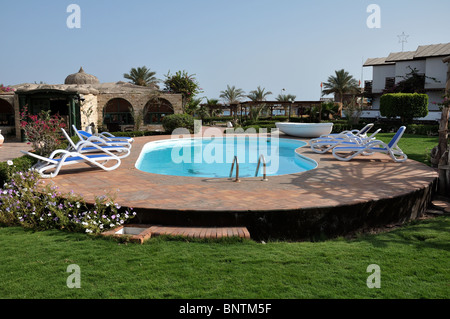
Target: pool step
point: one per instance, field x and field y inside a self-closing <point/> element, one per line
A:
<point x="140" y="233"/>
<point x="201" y="232"/>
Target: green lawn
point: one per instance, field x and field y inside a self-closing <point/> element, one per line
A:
<point x="417" y="147"/>
<point x="413" y="261"/>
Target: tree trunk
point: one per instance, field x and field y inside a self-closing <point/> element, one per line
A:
<point x="443" y="149"/>
<point x="443" y="132"/>
<point x="341" y="105"/>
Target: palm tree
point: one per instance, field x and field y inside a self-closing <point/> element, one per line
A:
<point x="141" y="76"/>
<point x="258" y="95"/>
<point x="341" y="83"/>
<point x="232" y="95"/>
<point x="286" y="98"/>
<point x="213" y="107"/>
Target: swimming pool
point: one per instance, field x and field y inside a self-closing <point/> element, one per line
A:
<point x="212" y="157"/>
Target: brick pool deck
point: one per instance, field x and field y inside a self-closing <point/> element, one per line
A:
<point x="333" y="184"/>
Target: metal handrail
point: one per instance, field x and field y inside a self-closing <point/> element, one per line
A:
<point x="264" y="168"/>
<point x="235" y="160"/>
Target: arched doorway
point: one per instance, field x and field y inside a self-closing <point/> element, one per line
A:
<point x="6" y="113"/>
<point x="117" y="113"/>
<point x="156" y="110"/>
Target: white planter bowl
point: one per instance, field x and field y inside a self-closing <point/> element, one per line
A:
<point x="308" y="130"/>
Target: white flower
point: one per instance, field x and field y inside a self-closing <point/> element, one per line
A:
<point x="10" y="163"/>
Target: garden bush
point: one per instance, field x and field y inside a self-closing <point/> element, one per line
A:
<point x="20" y="164"/>
<point x="407" y="106"/>
<point x="34" y="204"/>
<point x="174" y="121"/>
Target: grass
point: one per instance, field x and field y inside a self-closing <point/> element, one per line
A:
<point x="417" y="147"/>
<point x="413" y="262"/>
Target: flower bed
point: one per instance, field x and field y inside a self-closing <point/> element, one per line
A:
<point x="27" y="201"/>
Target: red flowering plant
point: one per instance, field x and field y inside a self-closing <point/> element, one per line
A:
<point x="43" y="131"/>
<point x="5" y="89"/>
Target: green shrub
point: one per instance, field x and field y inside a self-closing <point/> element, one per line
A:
<point x="174" y="121"/>
<point x="257" y="127"/>
<point x="20" y="164"/>
<point x="40" y="207"/>
<point x="407" y="106"/>
<point x="208" y="120"/>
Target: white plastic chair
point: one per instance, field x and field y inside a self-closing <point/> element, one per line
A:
<point x="350" y="151"/>
<point x="324" y="145"/>
<point x="82" y="147"/>
<point x="63" y="158"/>
<point x="345" y="134"/>
<point x="85" y="136"/>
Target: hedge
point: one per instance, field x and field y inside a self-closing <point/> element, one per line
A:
<point x="407" y="106"/>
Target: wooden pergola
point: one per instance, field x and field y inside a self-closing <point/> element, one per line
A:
<point x="302" y="105"/>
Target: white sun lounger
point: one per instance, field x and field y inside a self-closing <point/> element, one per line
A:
<point x="324" y="145"/>
<point x="49" y="167"/>
<point x="82" y="147"/>
<point x="83" y="135"/>
<point x="350" y="151"/>
<point x="345" y="134"/>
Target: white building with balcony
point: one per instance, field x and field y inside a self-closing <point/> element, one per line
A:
<point x="390" y="70"/>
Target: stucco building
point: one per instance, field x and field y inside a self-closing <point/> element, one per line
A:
<point x="83" y="100"/>
<point x="388" y="71"/>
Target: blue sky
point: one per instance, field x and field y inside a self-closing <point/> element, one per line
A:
<point x="289" y="44"/>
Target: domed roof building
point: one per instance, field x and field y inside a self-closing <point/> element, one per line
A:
<point x="83" y="101"/>
<point x="81" y="78"/>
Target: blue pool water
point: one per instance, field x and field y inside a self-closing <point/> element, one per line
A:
<point x="213" y="157"/>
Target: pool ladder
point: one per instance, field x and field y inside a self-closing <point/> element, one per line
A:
<point x="236" y="161"/>
<point x="264" y="179"/>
